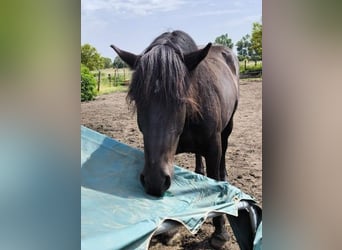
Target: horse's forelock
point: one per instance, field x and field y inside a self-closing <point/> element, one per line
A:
<point x="161" y="73"/>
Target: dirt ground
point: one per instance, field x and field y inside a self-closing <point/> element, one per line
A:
<point x="109" y="114"/>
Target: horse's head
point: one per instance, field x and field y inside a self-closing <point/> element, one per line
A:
<point x="159" y="90"/>
<point x="161" y="127"/>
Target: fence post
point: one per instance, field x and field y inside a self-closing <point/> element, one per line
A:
<point x="115" y="71"/>
<point x="98" y="81"/>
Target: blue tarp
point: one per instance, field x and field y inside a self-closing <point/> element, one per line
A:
<point x="116" y="213"/>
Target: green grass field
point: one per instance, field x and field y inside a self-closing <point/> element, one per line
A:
<point x="250" y="66"/>
<point x="113" y="80"/>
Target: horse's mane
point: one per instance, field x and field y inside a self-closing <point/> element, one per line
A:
<point x="162" y="74"/>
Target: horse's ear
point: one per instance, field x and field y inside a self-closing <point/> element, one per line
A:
<point x="192" y="59"/>
<point x="127" y="57"/>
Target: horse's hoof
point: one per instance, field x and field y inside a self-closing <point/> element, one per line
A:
<point x="217" y="241"/>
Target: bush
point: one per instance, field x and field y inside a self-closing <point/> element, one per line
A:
<point x="88" y="85"/>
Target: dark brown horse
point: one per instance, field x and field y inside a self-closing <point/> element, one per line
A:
<point x="185" y="99"/>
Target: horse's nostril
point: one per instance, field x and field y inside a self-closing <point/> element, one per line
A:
<point x="167" y="182"/>
<point x="142" y="179"/>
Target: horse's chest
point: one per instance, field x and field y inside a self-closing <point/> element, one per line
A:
<point x="192" y="140"/>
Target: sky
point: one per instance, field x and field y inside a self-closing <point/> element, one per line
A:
<point x="133" y="24"/>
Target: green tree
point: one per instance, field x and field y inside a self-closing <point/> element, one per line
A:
<point x="91" y="58"/>
<point x="107" y="62"/>
<point x="256" y="42"/>
<point x="118" y="63"/>
<point x="224" y="40"/>
<point x="243" y="48"/>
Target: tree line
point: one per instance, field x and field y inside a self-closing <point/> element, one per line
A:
<point x="249" y="47"/>
<point x="92" y="59"/>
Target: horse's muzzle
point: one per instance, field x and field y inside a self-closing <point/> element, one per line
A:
<point x="156" y="186"/>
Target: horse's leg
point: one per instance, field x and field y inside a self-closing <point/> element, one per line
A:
<point x="199" y="165"/>
<point x="220" y="235"/>
<point x="224" y="141"/>
<point x="213" y="159"/>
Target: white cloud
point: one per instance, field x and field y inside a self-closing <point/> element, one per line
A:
<point x="217" y="12"/>
<point x="135" y="7"/>
<point x="90" y="5"/>
<point x="243" y="20"/>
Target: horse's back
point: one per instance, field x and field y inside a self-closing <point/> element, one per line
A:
<point x="226" y="57"/>
<point x="223" y="66"/>
<point x="231" y="60"/>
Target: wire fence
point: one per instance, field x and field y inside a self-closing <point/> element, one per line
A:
<point x="109" y="80"/>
